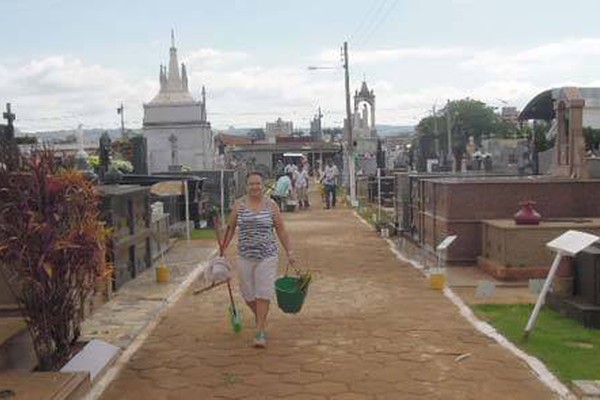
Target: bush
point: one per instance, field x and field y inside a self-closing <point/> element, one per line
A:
<point x="52" y="249"/>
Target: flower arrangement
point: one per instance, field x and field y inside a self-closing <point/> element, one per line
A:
<point x="305" y="278"/>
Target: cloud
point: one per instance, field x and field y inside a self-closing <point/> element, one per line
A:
<point x="563" y="58"/>
<point x="331" y="57"/>
<point x="61" y="91"/>
<point x="207" y="58"/>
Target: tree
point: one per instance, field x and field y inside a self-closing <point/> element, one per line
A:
<point x="592" y="138"/>
<point x="467" y="117"/>
<point x="26" y="139"/>
<point x="473" y="118"/>
<point x="539" y="129"/>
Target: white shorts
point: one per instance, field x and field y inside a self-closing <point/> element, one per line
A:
<point x="257" y="277"/>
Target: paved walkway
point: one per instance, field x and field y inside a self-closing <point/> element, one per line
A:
<point x="370" y="329"/>
<point x="139" y="301"/>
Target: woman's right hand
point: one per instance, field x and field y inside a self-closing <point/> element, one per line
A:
<point x="291" y="259"/>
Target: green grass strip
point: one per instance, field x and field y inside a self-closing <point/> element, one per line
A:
<point x="204" y="233"/>
<point x="564" y="345"/>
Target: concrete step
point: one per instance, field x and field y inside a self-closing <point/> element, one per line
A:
<point x="16" y="347"/>
<point x="9" y="310"/>
<point x="44" y="385"/>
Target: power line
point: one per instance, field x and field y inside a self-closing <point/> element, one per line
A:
<point x="368" y="16"/>
<point x="374" y="17"/>
<point x="376" y="26"/>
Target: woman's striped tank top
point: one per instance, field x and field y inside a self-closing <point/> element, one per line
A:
<point x="256" y="238"/>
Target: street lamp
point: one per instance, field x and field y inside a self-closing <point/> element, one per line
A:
<point x="316" y="68"/>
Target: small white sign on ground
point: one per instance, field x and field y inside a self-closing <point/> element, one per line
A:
<point x="93" y="358"/>
<point x="568" y="244"/>
<point x="535" y="285"/>
<point x="485" y="289"/>
<point x="572" y="242"/>
<point x="444" y="244"/>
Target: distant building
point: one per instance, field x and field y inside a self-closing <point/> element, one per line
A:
<point x="278" y="128"/>
<point x="316" y="129"/>
<point x="510" y="115"/>
<point x="176" y="125"/>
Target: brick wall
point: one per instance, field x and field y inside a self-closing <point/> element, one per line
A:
<point x="457" y="206"/>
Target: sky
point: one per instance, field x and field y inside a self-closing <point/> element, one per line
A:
<point x="70" y="62"/>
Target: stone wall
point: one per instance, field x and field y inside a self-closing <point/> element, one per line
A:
<point x="511" y="251"/>
<point x="458" y="206"/>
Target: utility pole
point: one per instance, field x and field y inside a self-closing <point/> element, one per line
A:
<point x="535" y="160"/>
<point x="320" y="126"/>
<point x="435" y="133"/>
<point x="449" y="131"/>
<point x="121" y="112"/>
<point x="350" y="144"/>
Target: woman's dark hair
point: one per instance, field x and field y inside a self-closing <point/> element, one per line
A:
<point x="257" y="173"/>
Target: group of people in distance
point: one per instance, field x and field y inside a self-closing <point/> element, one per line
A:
<point x="294" y="180"/>
<point x="293" y="184"/>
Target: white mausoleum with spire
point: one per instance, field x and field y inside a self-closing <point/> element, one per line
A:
<point x="175" y="124"/>
<point x="364" y="132"/>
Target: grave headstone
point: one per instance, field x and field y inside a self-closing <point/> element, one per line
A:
<point x="485" y="289"/>
<point x="104" y="155"/>
<point x="140" y="155"/>
<point x="535" y="285"/>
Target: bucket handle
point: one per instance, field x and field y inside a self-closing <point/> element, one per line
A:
<point x="287" y="267"/>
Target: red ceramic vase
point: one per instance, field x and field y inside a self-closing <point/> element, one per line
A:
<point x="527" y="214"/>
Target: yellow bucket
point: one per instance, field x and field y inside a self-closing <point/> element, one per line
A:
<point x="437" y="280"/>
<point x="162" y="274"/>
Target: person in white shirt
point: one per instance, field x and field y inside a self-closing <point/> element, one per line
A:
<point x="288" y="168"/>
<point x="329" y="179"/>
<point x="301" y="184"/>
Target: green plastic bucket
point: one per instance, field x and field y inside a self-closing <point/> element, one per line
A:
<point x="289" y="297"/>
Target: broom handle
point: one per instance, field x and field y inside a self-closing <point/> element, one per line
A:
<point x="220" y="239"/>
<point x="207" y="288"/>
<point x="231" y="295"/>
<point x="216" y="223"/>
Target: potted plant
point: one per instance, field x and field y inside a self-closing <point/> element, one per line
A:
<point x="52" y="249"/>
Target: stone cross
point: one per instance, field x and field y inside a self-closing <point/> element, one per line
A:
<point x="10" y="117"/>
<point x="174" y="150"/>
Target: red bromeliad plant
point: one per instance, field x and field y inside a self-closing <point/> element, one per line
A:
<point x="52" y="250"/>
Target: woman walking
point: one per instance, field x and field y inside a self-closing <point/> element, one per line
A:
<point x="257" y="216"/>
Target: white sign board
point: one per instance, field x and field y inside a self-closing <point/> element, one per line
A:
<point x="572" y="242"/>
<point x="485" y="289"/>
<point x="446" y="242"/>
<point x="569" y="243"/>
